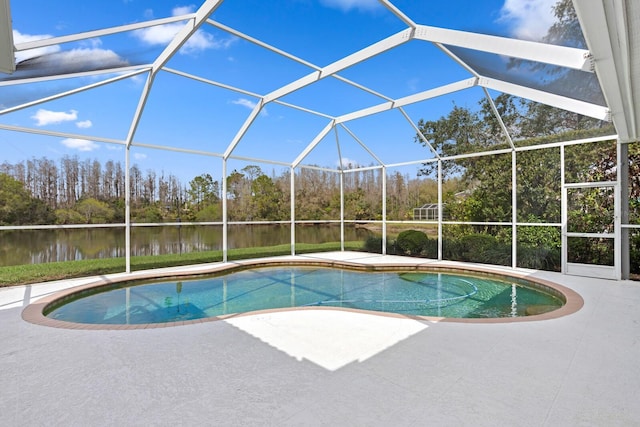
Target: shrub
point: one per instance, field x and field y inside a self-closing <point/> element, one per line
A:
<point x="474" y="246"/>
<point x="412" y="242"/>
<point x="540" y="258"/>
<point x="482" y="248"/>
<point x="373" y="244"/>
<point x="430" y="249"/>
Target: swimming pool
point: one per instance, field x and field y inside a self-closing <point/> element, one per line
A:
<point x="409" y="293"/>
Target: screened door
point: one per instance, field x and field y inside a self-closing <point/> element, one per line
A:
<point x="589" y="237"/>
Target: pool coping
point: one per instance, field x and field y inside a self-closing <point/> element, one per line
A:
<point x="33" y="313"/>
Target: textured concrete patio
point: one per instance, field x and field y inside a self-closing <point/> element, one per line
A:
<point x="328" y="367"/>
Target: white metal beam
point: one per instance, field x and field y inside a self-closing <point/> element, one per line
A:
<point x="7" y="55"/>
<point x="577" y="59"/>
<point x="52" y="41"/>
<point x="313" y="143"/>
<point x="498" y="117"/>
<point x="606" y="31"/>
<point x="243" y="130"/>
<point x="178" y="41"/>
<point x="288" y="55"/>
<point x="419" y="133"/>
<point x="459" y="61"/>
<point x="569" y="104"/>
<point x="209" y="82"/>
<point x="439" y="91"/>
<point x="92" y="73"/>
<point x="404" y="18"/>
<point x="70" y="92"/>
<point x="411" y="99"/>
<point x="35" y="131"/>
<point x="362" y="144"/>
<point x="242" y="91"/>
<point x="139" y="109"/>
<point x="346" y="62"/>
<point x="187" y="31"/>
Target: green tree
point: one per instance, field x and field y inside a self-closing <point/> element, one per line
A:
<point x="68" y="216"/>
<point x="18" y="207"/>
<point x="267" y="198"/>
<point x="356" y="205"/>
<point x="459" y="132"/>
<point x="487" y="178"/>
<point x="212" y="212"/>
<point x="203" y="191"/>
<point x="234" y="184"/>
<point x="94" y="211"/>
<point x="538" y="185"/>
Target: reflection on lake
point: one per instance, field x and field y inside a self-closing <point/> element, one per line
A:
<point x="40" y="246"/>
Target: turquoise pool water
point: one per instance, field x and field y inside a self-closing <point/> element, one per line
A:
<point x="411" y="293"/>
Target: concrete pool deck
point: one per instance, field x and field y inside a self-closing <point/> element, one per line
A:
<point x="328" y="367"/>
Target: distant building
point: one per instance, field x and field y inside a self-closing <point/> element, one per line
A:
<point x="428" y="212"/>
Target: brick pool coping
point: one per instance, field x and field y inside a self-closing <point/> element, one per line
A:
<point x="573" y="302"/>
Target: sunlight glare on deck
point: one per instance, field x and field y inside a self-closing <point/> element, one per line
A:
<point x="330" y="339"/>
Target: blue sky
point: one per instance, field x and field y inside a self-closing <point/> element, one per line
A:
<point x="195" y="116"/>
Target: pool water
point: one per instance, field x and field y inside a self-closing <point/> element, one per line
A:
<point x="414" y="293"/>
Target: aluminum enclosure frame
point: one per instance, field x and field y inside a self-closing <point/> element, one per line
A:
<point x="610" y="56"/>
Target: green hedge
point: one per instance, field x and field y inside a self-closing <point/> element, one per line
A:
<point x="411" y="242"/>
<point x="479" y="248"/>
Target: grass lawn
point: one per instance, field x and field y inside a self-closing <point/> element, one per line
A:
<point x="34" y="273"/>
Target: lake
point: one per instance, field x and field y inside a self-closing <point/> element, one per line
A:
<point x="20" y="247"/>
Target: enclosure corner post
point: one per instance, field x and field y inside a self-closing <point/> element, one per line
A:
<point x="293" y="210"/>
<point x="224" y="210"/>
<point x="440" y="210"/>
<point x="514" y="211"/>
<point x="384" y="210"/>
<point x="622" y="219"/>
<point x="127" y="210"/>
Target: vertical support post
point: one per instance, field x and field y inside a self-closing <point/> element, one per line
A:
<point x="514" y="211"/>
<point x="564" y="214"/>
<point x="127" y="210"/>
<point x="341" y="210"/>
<point x="622" y="214"/>
<point x="224" y="210"/>
<point x="384" y="210"/>
<point x="127" y="303"/>
<point x="293" y="209"/>
<point x="440" y="210"/>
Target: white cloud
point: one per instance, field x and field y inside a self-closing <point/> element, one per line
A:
<point x="245" y="103"/>
<point x="38" y="62"/>
<point x="80" y="144"/>
<point x="93" y="43"/>
<point x="90" y="58"/>
<point x="85" y="124"/>
<point x="347" y="5"/>
<point x="46" y="117"/>
<point x="55" y="60"/>
<point x="160" y="34"/>
<point x="528" y="19"/>
<point x="163" y="34"/>
<point x="182" y="10"/>
<point x="18" y="38"/>
<point x="139" y="156"/>
<point x="250" y="105"/>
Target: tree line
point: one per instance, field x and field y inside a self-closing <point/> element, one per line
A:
<point x="71" y="191"/>
<point x="475" y="189"/>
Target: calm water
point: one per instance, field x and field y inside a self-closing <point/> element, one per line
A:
<point x="426" y="294"/>
<point x="40" y="246"/>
